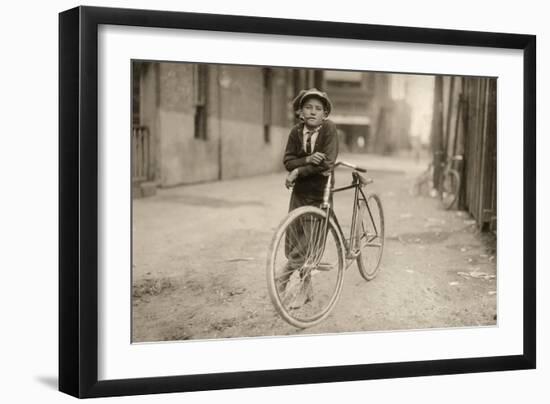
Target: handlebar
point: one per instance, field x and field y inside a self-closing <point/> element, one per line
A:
<point x="349" y="165"/>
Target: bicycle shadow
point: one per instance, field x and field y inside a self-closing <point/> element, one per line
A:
<point x="51" y="382"/>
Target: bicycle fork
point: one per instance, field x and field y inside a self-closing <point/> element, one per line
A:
<point x="326" y="206"/>
<point x="353" y="252"/>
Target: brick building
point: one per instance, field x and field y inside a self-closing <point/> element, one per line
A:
<point x="380" y="112"/>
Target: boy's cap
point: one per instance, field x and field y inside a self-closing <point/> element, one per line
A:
<point x="304" y="94"/>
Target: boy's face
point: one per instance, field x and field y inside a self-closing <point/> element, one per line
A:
<point x="313" y="112"/>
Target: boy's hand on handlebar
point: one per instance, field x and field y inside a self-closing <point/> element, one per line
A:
<point x="316" y="158"/>
<point x="291" y="178"/>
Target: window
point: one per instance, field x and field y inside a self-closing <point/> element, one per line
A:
<point x="200" y="88"/>
<point x="343" y="79"/>
<point x="268" y="89"/>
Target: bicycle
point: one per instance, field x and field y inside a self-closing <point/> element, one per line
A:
<point x="449" y="184"/>
<point x="423" y="184"/>
<point x="308" y="252"/>
<point x="448" y="188"/>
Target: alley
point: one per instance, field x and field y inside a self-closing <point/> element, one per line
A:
<point x="199" y="258"/>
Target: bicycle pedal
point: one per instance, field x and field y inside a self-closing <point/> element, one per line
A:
<point x="324" y="266"/>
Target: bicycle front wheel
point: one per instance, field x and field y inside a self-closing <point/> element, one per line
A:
<point x="305" y="267"/>
<point x="369" y="231"/>
<point x="450" y="186"/>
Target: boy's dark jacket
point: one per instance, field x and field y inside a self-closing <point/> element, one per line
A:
<point x="310" y="180"/>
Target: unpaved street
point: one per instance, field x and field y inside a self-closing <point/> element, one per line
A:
<point x="199" y="256"/>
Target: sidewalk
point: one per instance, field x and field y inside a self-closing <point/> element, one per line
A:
<point x="200" y="252"/>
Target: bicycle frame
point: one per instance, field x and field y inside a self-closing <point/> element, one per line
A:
<point x="326" y="206"/>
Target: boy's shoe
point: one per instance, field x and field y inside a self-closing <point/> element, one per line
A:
<point x="283" y="281"/>
<point x="305" y="295"/>
<point x="281" y="287"/>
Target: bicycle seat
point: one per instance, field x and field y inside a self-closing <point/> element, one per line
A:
<point x="362" y="180"/>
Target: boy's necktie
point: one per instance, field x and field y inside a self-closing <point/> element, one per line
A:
<point x="308" y="143"/>
<point x="309" y="134"/>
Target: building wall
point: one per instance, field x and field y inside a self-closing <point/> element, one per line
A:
<point x="244" y="149"/>
<point x="148" y="112"/>
<point x="467" y="128"/>
<point x="235" y="144"/>
<point x="183" y="158"/>
<point x="378" y="111"/>
<point x="480" y="157"/>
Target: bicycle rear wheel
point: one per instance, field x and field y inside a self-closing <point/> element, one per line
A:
<point x="305" y="267"/>
<point x="369" y="232"/>
<point x="450" y="186"/>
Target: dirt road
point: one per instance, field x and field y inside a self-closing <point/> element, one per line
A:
<point x="200" y="254"/>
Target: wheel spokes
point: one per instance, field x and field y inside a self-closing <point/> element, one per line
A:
<point x="309" y="278"/>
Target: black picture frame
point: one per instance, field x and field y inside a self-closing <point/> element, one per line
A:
<point x="78" y="201"/>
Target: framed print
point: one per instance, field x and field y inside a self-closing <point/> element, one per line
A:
<point x="251" y="202"/>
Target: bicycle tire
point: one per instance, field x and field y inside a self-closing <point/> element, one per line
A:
<point x="450" y="188"/>
<point x="371" y="238"/>
<point x="326" y="283"/>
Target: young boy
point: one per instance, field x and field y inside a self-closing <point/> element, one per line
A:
<point x="311" y="152"/>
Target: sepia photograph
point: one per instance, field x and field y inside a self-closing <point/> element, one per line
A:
<point x="285" y="201"/>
